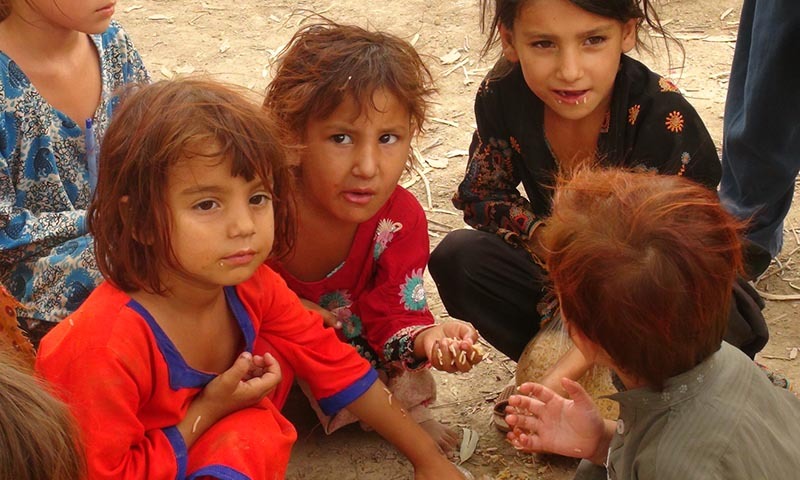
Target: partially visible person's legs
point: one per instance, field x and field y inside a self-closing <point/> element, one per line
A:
<point x="489" y="283"/>
<point x="761" y="141"/>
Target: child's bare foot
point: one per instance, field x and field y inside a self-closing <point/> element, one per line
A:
<point x="446" y="438"/>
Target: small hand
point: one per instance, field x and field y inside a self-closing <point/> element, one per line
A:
<point x="240" y="386"/>
<point x="543" y="421"/>
<point x="451" y="346"/>
<point x="329" y="319"/>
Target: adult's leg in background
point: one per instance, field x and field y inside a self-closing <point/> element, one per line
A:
<point x="761" y="138"/>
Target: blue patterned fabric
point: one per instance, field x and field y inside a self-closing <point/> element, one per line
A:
<point x="46" y="255"/>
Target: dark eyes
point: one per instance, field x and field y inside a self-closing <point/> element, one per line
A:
<point x="259" y="199"/>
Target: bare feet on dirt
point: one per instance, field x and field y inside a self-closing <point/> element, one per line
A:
<point x="445" y="437"/>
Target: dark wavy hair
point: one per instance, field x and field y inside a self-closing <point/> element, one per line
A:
<point x="325" y="62"/>
<point x="156" y="126"/>
<point x="643" y="265"/>
<point x="494" y="13"/>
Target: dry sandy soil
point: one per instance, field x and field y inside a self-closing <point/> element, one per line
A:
<point x="235" y="40"/>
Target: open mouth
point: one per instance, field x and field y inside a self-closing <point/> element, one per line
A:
<point x="572" y="97"/>
<point x="358" y="197"/>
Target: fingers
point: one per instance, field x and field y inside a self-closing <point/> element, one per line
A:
<point x="522" y="403"/>
<point x="460" y="330"/>
<point x="577" y="393"/>
<point x="454" y="355"/>
<point x="330" y="320"/>
<point x="538" y="391"/>
<point x="524" y="441"/>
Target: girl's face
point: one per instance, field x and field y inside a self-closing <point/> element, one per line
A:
<point x="222" y="226"/>
<point x="569" y="57"/>
<point x="354" y="158"/>
<point x="88" y="16"/>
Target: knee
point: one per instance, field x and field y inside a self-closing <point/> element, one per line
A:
<point x="455" y="254"/>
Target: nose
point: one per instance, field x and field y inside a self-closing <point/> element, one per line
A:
<point x="241" y="221"/>
<point x="570" y="68"/>
<point x="366" y="161"/>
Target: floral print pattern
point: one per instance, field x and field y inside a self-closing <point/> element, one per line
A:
<point x="674" y="122"/>
<point x="412" y="292"/>
<point x="633" y="114"/>
<point x="384" y="234"/>
<point x="667" y="85"/>
<point x="46" y="255"/>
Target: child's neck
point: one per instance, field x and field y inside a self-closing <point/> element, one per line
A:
<point x="573" y="142"/>
<point x="42" y="42"/>
<point x="198" y="322"/>
<point x="323" y="243"/>
<point x="55" y="61"/>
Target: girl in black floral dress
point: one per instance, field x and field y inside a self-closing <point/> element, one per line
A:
<point x="564" y="94"/>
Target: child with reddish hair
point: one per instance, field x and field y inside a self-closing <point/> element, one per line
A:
<point x="38" y="436"/>
<point x="643" y="265"/>
<point x="354" y="100"/>
<point x="165" y="365"/>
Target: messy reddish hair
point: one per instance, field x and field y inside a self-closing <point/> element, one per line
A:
<point x="643" y="265"/>
<point x="324" y="63"/>
<point x="156" y="126"/>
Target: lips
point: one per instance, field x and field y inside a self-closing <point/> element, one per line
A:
<point x="107" y="10"/>
<point x="242" y="257"/>
<point x="359" y="196"/>
<point x="571" y="97"/>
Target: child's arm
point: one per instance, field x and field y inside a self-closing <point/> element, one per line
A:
<point x="488" y="194"/>
<point x="376" y="408"/>
<point x="329" y="318"/>
<point x="571" y="365"/>
<point x="543" y="421"/>
<point x="246" y="383"/>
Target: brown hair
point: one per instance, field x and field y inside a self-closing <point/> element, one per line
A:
<point x="323" y="63"/>
<point x="39" y="439"/>
<point x="643" y="265"/>
<point x="494" y="13"/>
<point x="156" y="126"/>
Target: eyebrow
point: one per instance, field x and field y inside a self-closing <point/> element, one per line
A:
<point x="196" y="189"/>
<point x="589" y="33"/>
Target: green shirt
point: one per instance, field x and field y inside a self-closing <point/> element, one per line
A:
<point x="721" y="420"/>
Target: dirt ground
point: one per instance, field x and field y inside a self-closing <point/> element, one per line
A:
<point x="235" y="40"/>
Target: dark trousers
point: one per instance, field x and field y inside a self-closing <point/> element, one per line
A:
<point x="497" y="287"/>
<point x="761" y="128"/>
<point x="487" y="282"/>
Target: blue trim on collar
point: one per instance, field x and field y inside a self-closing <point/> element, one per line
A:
<point x="242" y="317"/>
<point x="179" y="446"/>
<point x="221" y="472"/>
<point x="331" y="405"/>
<point x="181" y="375"/>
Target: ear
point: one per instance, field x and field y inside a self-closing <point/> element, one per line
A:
<point x="507" y="41"/>
<point x="629" y="30"/>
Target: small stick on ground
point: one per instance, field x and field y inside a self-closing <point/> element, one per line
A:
<point x="416" y="165"/>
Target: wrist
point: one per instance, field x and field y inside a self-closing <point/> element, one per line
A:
<point x="600" y="455"/>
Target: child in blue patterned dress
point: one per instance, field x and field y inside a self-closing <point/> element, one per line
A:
<point x="354" y="100"/>
<point x="60" y="63"/>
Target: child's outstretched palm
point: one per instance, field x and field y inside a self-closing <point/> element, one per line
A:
<point x="543" y="421"/>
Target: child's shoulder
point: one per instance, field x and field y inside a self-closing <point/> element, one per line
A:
<point x="105" y="319"/>
<point x="641" y="81"/>
<point x="401" y="205"/>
